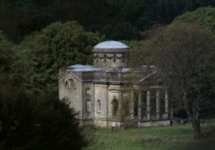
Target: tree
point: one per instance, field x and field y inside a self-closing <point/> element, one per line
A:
<point x="42" y="54"/>
<point x="6" y="57"/>
<point x="184" y="55"/>
<point x="133" y="46"/>
<point x="124" y="31"/>
<point x="20" y="17"/>
<point x="38" y="122"/>
<point x="204" y="16"/>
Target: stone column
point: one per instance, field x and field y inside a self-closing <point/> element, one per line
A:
<point x="94" y="106"/>
<point x="171" y="115"/>
<point x="132" y="105"/>
<point x="139" y="105"/>
<point x="148" y="105"/>
<point x="158" y="104"/>
<point x="120" y="105"/>
<point x="166" y="104"/>
<point x="107" y="106"/>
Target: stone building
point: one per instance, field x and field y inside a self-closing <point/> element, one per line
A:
<point x="111" y="94"/>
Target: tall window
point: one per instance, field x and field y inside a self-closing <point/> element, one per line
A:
<point x="99" y="105"/>
<point x="115" y="106"/>
<point x="70" y="83"/>
<point x="88" y="106"/>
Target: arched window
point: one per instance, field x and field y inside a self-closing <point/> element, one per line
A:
<point x="115" y="106"/>
<point x="70" y="83"/>
<point x="99" y="105"/>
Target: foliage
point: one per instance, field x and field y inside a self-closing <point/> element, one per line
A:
<point x="27" y="6"/>
<point x="37" y="122"/>
<point x="124" y="31"/>
<point x="134" y="46"/>
<point x="109" y="17"/>
<point x="41" y="55"/>
<point x="202" y="16"/>
<point x="6" y="57"/>
<point x="20" y="18"/>
<point x="121" y="23"/>
<point x="184" y="55"/>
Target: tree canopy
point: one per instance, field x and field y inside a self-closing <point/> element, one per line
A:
<point x="21" y="17"/>
<point x="202" y="16"/>
<point x="6" y="57"/>
<point x="41" y="55"/>
<point x="184" y="56"/>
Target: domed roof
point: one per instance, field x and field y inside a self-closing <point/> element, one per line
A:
<point x="110" y="46"/>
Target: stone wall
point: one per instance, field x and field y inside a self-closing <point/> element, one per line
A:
<point x="88" y="95"/>
<point x="72" y="94"/>
<point x="154" y="123"/>
<point x="101" y="93"/>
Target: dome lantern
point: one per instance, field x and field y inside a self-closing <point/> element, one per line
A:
<point x="110" y="55"/>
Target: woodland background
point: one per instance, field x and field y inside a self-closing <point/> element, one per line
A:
<point x="116" y="19"/>
<point x="37" y="37"/>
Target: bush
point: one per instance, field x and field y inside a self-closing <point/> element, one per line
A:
<point x="38" y="122"/>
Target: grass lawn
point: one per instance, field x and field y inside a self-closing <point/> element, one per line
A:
<point x="158" y="138"/>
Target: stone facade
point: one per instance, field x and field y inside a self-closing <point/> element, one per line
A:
<point x="108" y="93"/>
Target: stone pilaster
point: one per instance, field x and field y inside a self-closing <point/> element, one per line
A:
<point x="139" y="105"/>
<point x="132" y="105"/>
<point x="107" y="106"/>
<point x="120" y="105"/>
<point x="158" y="104"/>
<point x="171" y="108"/>
<point x="148" y="105"/>
<point x="166" y="104"/>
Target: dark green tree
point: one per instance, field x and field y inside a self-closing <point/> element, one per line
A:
<point x="124" y="31"/>
<point x="134" y="46"/>
<point x="203" y="16"/>
<point x="41" y="55"/>
<point x="6" y="54"/>
<point x="38" y="122"/>
<point x="20" y="18"/>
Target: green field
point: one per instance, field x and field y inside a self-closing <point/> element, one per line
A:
<point x="158" y="138"/>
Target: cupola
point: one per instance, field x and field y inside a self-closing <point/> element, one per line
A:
<point x="110" y="55"/>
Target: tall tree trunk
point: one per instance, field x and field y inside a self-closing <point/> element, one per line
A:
<point x="193" y="117"/>
<point x="197" y="129"/>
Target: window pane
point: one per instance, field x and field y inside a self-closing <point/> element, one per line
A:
<point x="70" y="83"/>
